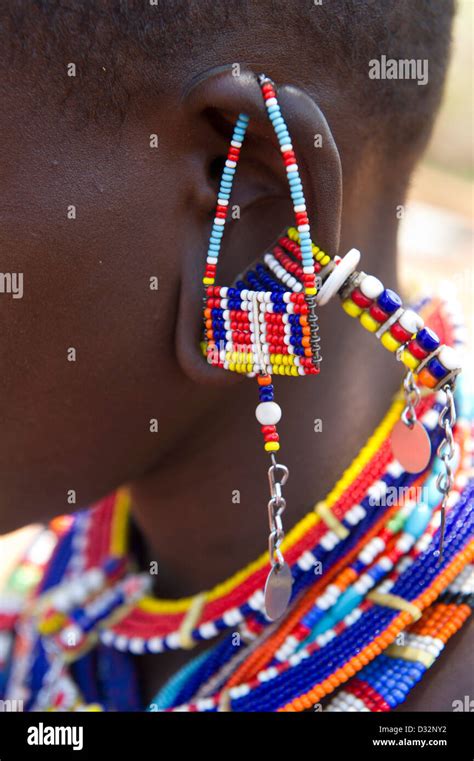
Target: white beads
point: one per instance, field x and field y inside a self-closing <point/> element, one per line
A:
<point x="449" y="358"/>
<point x="371" y="287"/>
<point x="411" y="321"/>
<point x="268" y="413"/>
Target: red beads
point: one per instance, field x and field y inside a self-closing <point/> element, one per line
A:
<point x="358" y="298"/>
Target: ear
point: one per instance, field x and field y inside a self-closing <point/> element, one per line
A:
<point x="260" y="200"/>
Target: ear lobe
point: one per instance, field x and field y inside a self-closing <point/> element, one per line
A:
<point x="219" y="91"/>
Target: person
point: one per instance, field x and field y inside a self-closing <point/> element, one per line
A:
<point x="115" y="128"/>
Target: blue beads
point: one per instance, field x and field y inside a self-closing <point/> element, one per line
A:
<point x="389" y="301"/>
<point x="436" y="368"/>
<point x="265" y="393"/>
<point x="427" y="339"/>
<point x="418" y="520"/>
<point x="349" y="600"/>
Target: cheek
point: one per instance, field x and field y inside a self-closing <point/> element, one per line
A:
<point x="88" y="361"/>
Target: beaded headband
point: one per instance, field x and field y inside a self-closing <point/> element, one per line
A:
<point x="266" y="323"/>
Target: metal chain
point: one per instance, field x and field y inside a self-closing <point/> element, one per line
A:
<point x="412" y="397"/>
<point x="276" y="506"/>
<point x="411" y="392"/>
<point x="445" y="451"/>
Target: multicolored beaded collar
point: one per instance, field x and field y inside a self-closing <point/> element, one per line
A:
<point x="78" y="610"/>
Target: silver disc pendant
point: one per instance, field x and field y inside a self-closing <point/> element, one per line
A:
<point x="278" y="591"/>
<point x="411" y="446"/>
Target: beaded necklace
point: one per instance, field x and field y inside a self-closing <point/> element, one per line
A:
<point x="89" y="610"/>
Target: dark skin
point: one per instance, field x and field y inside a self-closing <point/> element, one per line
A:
<point x="84" y="425"/>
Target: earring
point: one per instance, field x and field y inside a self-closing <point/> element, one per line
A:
<point x="266" y="324"/>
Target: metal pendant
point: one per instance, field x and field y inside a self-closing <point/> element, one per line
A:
<point x="411" y="446"/>
<point x="278" y="591"/>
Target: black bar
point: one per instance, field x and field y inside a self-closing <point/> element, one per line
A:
<point x="151" y="735"/>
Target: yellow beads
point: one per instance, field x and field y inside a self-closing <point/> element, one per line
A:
<point x="390" y="342"/>
<point x="368" y="322"/>
<point x="272" y="446"/>
<point x="351" y="308"/>
<point x="409" y="360"/>
<point x="51" y="623"/>
<point x="319" y="255"/>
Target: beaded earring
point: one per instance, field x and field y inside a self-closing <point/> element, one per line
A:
<point x="266" y="324"/>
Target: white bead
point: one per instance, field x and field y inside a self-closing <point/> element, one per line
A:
<point x="137" y="645"/>
<point x="450" y="358"/>
<point x="371" y="287"/>
<point x="405" y="542"/>
<point x="385" y="563"/>
<point x="61" y="599"/>
<point x="94" y="579"/>
<point x="78" y="591"/>
<point x="155" y="645"/>
<point x="430" y="419"/>
<point x="411" y="321"/>
<point x="395" y="469"/>
<point x="108" y="638"/>
<point x="268" y="413"/>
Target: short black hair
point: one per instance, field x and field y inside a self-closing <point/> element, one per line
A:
<point x="122" y="48"/>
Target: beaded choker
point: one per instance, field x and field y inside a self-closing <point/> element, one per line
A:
<point x="375" y="620"/>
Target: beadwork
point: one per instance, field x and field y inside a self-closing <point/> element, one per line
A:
<point x="337" y="630"/>
<point x="267" y="322"/>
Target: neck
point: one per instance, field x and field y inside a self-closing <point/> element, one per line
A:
<point x="203" y="512"/>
